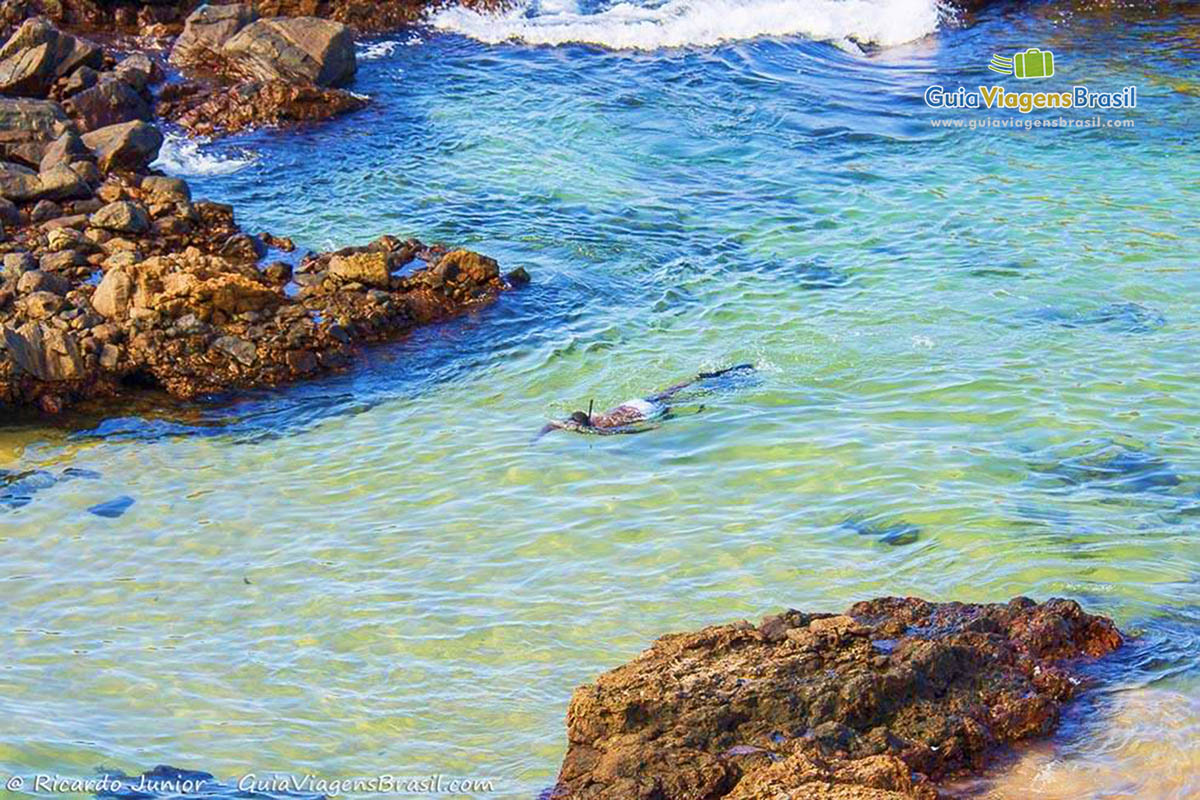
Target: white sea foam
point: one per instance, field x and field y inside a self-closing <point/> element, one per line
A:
<point x="184" y="156"/>
<point x="372" y="51"/>
<point x="698" y="23"/>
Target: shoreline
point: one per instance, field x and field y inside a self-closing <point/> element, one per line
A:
<point x="115" y="279"/>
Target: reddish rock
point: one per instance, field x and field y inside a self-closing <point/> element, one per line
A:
<point x="879" y="703"/>
<point x="221" y="110"/>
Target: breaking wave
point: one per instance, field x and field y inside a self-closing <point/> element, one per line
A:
<point x="186" y="157"/>
<point x="697" y="23"/>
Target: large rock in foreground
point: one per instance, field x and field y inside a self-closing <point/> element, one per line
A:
<point x="879" y="703"/>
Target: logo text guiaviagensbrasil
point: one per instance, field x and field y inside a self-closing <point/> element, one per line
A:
<point x="1030" y="64"/>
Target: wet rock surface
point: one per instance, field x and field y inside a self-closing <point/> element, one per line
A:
<point x="246" y="71"/>
<point x="115" y="279"/>
<point x="883" y="702"/>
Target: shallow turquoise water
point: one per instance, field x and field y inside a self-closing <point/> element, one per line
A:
<point x="978" y="345"/>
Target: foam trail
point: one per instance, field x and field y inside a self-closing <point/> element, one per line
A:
<point x="183" y="156"/>
<point x="698" y="23"/>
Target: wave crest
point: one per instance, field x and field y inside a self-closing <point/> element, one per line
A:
<point x="698" y="23"/>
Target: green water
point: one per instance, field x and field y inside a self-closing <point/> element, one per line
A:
<point x="990" y="338"/>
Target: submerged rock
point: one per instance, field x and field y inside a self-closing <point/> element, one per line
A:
<point x="112" y="509"/>
<point x="880" y="703"/>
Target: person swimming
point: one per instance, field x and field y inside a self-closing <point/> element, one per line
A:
<point x="636" y="415"/>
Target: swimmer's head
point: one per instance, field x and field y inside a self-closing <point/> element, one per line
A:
<point x="582" y="418"/>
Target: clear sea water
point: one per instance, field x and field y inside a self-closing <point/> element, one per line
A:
<point x="976" y="357"/>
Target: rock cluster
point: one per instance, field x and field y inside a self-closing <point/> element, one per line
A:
<point x="880" y="703"/>
<point x="163" y="18"/>
<point x="114" y="277"/>
<point x="249" y="71"/>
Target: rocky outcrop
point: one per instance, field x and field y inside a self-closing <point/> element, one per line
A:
<point x="212" y="111"/>
<point x="115" y="279"/>
<point x="880" y="703"/>
<point x="38" y="54"/>
<point x="249" y="72"/>
<point x="184" y="302"/>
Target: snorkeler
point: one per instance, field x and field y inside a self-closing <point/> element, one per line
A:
<point x="633" y="416"/>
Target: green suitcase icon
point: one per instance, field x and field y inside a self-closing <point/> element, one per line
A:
<point x="1033" y="63"/>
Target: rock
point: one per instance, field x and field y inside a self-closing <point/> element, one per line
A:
<point x="10" y="215"/>
<point x="243" y="248"/>
<point x="237" y="348"/>
<point x="130" y="146"/>
<point x="293" y="49"/>
<point x="18" y="183"/>
<point x="17" y="264"/>
<point x="112" y="509"/>
<point x="38" y="281"/>
<point x="112" y="297"/>
<point x="110" y="356"/>
<point x="110" y="102"/>
<point x="139" y="71"/>
<point x="28" y="73"/>
<point x="38" y="54"/>
<point x="63" y="150"/>
<point x="517" y="278"/>
<point x="27" y="126"/>
<point x="122" y="217"/>
<point x="40" y="305"/>
<point x="861" y="705"/>
<point x="45" y="210"/>
<point x="82" y="78"/>
<point x="166" y="190"/>
<point x="366" y="268"/>
<point x="61" y="239"/>
<point x="253" y="104"/>
<point x="278" y="272"/>
<point x="459" y="266"/>
<point x="60" y="182"/>
<point x="22" y="184"/>
<point x="206" y="31"/>
<point x="58" y="262"/>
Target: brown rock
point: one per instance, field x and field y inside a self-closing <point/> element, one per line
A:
<point x="160" y="189"/>
<point x="370" y="269"/>
<point x="130" y="146"/>
<point x="27" y="126"/>
<point x="206" y="30"/>
<point x="122" y="217"/>
<point x="861" y="705"/>
<point x="82" y="78"/>
<point x="255" y="104"/>
<point x="63" y="150"/>
<point x="22" y="184"/>
<point x="110" y="102"/>
<point x="39" y="281"/>
<point x="37" y="54"/>
<point x="45" y="353"/>
<point x="40" y="305"/>
<point x="139" y="71"/>
<point x="293" y="49"/>
<point x="112" y="297"/>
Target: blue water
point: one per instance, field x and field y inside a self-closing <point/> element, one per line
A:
<point x="975" y="354"/>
